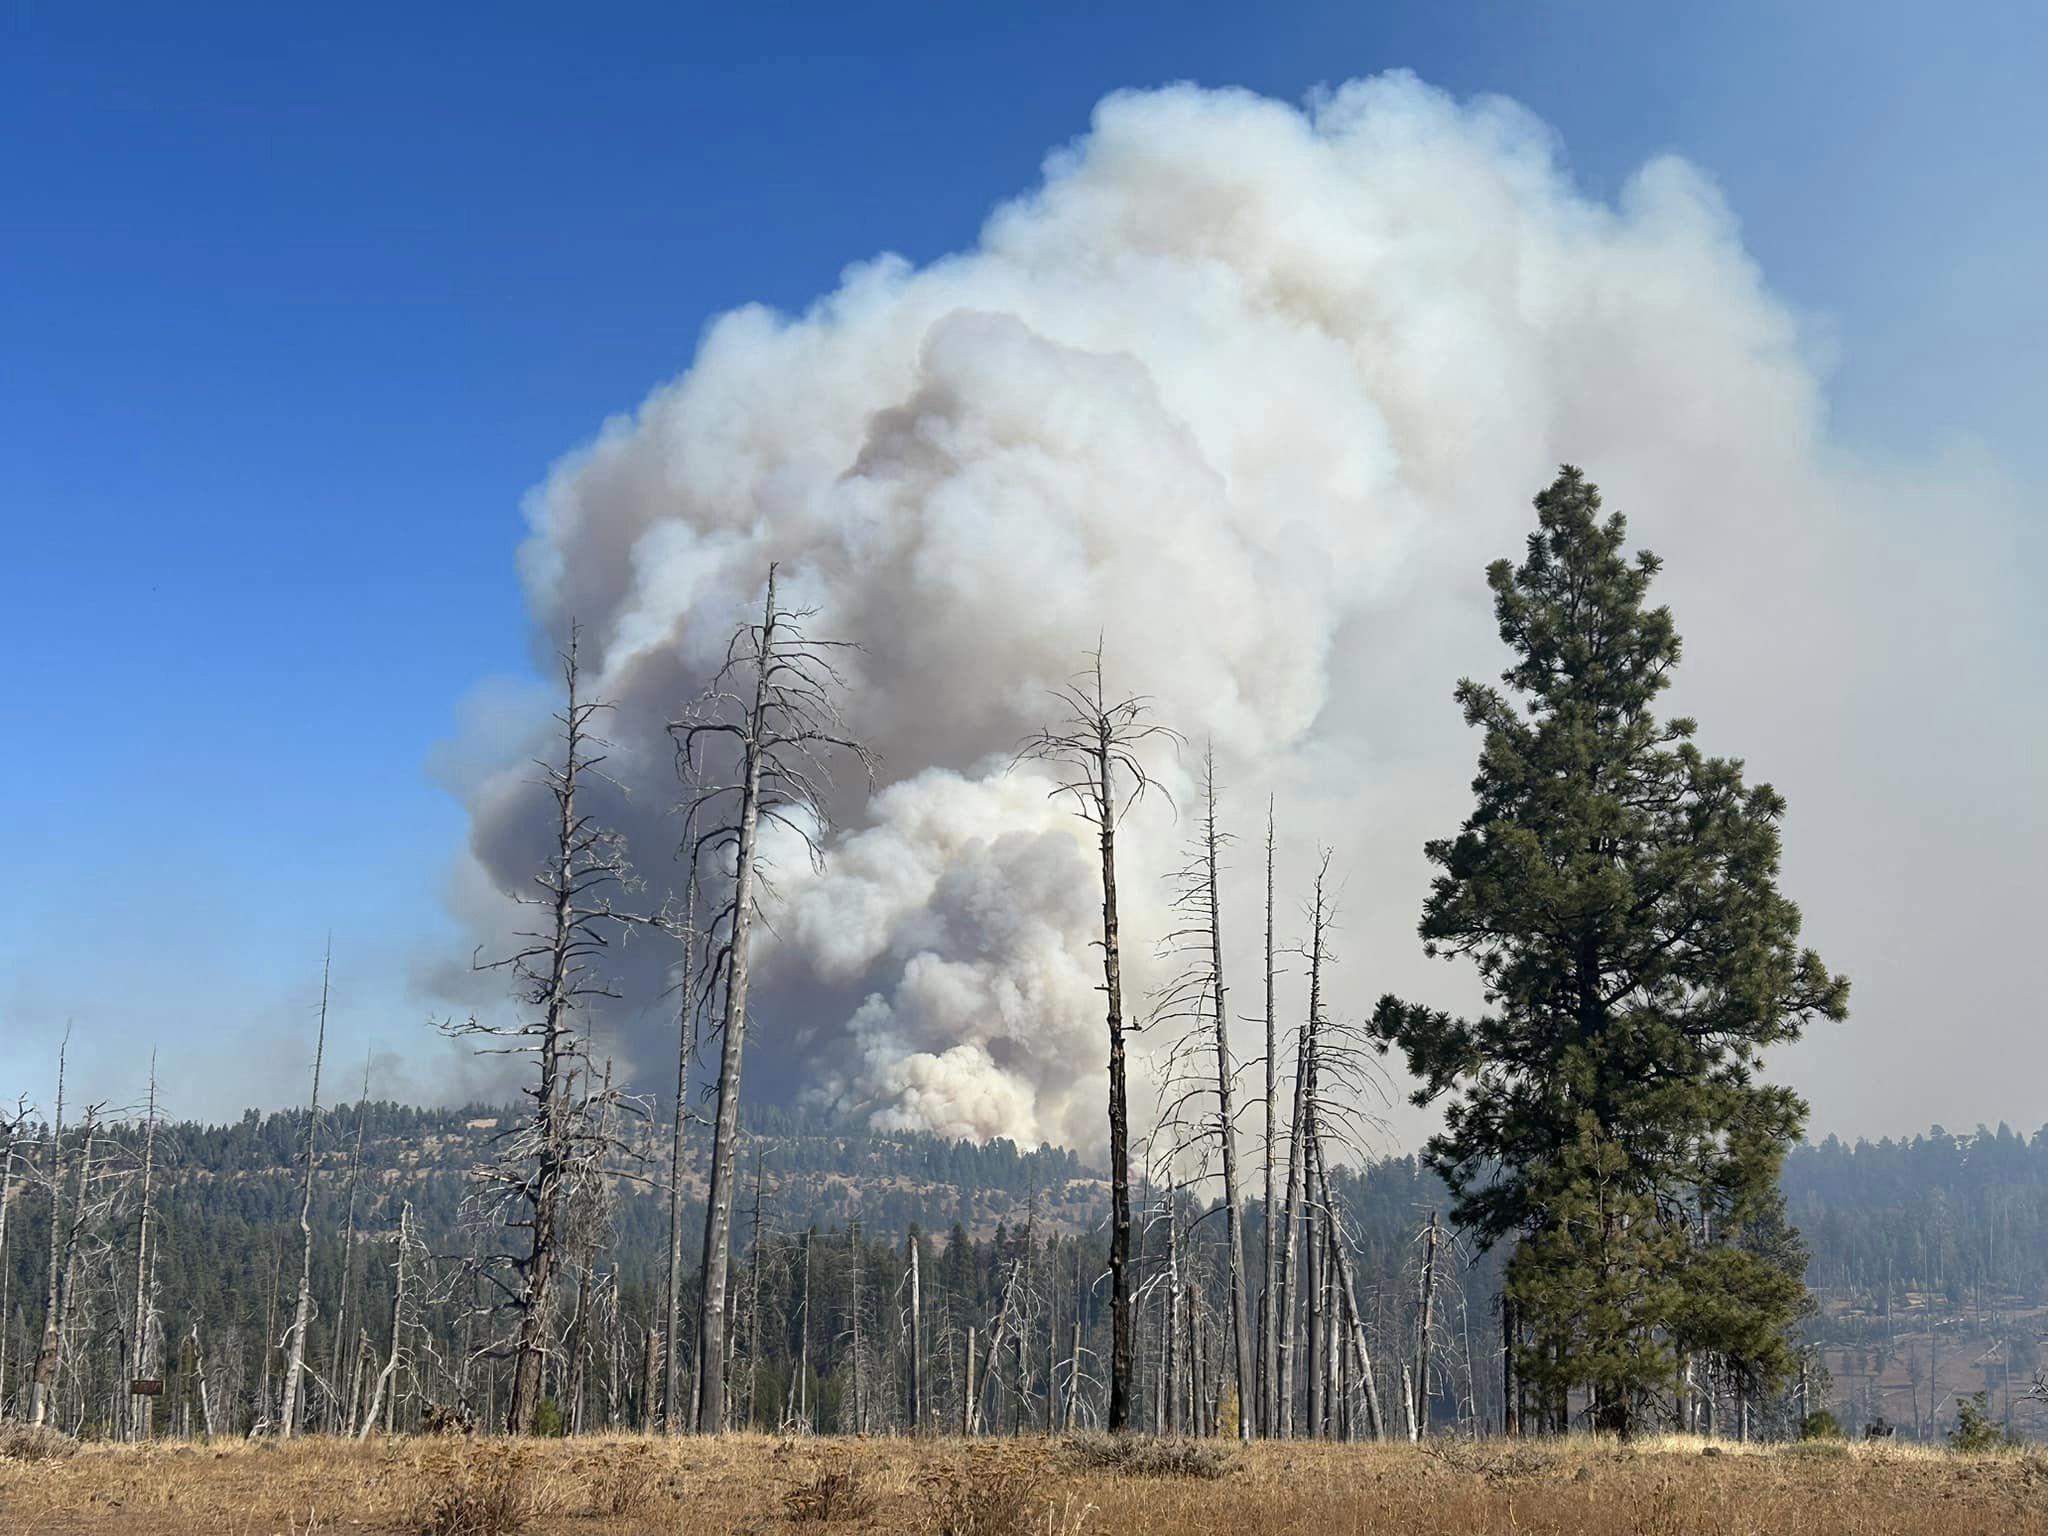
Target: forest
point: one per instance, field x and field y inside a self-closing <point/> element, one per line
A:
<point x="1617" y="1226"/>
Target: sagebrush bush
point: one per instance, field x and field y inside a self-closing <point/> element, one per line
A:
<point x="1143" y="1456"/>
<point x="487" y="1496"/>
<point x="18" y="1442"/>
<point x="836" y="1493"/>
<point x="993" y="1496"/>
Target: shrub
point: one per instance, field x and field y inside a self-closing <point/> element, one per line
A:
<point x="483" y="1497"/>
<point x="21" y="1443"/>
<point x="1820" y="1425"/>
<point x="1975" y="1429"/>
<point x="1138" y="1456"/>
<point x="996" y="1497"/>
<point x="834" y="1494"/>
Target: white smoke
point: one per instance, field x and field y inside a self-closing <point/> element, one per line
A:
<point x="1251" y="393"/>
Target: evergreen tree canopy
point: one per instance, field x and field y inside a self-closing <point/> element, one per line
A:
<point x="1617" y="889"/>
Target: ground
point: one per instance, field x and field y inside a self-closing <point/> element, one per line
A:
<point x="1028" y="1487"/>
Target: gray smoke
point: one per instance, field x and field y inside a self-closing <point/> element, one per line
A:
<point x="1253" y="393"/>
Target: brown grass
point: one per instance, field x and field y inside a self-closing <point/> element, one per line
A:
<point x="760" y="1486"/>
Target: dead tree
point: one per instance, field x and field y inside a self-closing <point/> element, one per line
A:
<point x="1375" y="1425"/>
<point x="1299" y="1172"/>
<point x="672" y="1406"/>
<point x="1195" y="998"/>
<point x="1094" y="754"/>
<point x="537" y="1158"/>
<point x="344" y="1378"/>
<point x="1424" y="1321"/>
<point x="56" y="1325"/>
<point x="302" y="1313"/>
<point x="384" y="1396"/>
<point x="138" y="1428"/>
<point x="916" y="1351"/>
<point x="773" y="705"/>
<point x="17" y="1125"/>
<point x="44" y="1378"/>
<point x="1268" y="1362"/>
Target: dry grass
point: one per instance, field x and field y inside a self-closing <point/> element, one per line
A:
<point x="766" y="1487"/>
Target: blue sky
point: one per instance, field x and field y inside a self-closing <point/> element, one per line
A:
<point x="293" y="310"/>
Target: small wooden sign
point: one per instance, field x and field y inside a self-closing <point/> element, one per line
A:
<point x="147" y="1386"/>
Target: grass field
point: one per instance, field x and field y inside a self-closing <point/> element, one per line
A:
<point x="614" y="1485"/>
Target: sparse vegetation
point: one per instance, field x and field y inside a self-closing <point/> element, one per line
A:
<point x="1026" y="1486"/>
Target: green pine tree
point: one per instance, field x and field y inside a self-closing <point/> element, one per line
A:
<point x="1617" y="890"/>
<point x="1598" y="1282"/>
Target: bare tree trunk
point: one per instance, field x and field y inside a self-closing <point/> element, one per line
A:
<point x="1313" y="1292"/>
<point x="49" y="1365"/>
<point x="14" y="1130"/>
<point x="199" y="1382"/>
<point x="718" y="1207"/>
<point x="967" y="1394"/>
<point x="384" y="1396"/>
<point x="1122" y="1321"/>
<point x="1100" y="739"/>
<point x="264" y="1406"/>
<point x="803" y="1364"/>
<point x="916" y="1342"/>
<point x="859" y="1399"/>
<point x="139" y="1406"/>
<point x="42" y="1384"/>
<point x="1226" y="1087"/>
<point x="302" y="1314"/>
<point x="1268" y="1363"/>
<point x="1424" y="1322"/>
<point x="344" y="1380"/>
<point x="1169" y="1349"/>
<point x="1510" y="1386"/>
<point x="674" y="1420"/>
<point x="1375" y="1424"/>
<point x="650" y="1371"/>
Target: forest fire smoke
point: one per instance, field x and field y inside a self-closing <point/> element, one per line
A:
<point x="1252" y="393"/>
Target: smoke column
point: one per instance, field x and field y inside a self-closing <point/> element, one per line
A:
<point x="1253" y="393"/>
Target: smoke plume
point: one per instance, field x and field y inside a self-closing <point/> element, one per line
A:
<point x="1251" y="393"/>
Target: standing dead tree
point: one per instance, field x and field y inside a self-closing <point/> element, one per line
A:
<point x="44" y="1376"/>
<point x="408" y="1258"/>
<point x="342" y="1416"/>
<point x="1269" y="1395"/>
<point x="66" y="1244"/>
<point x="1094" y="752"/>
<point x="773" y="707"/>
<point x="1195" y="999"/>
<point x="15" y="1131"/>
<point x="302" y="1313"/>
<point x="538" y="1157"/>
<point x="673" y="1409"/>
<point x="1300" y="1167"/>
<point x="145" y="1315"/>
